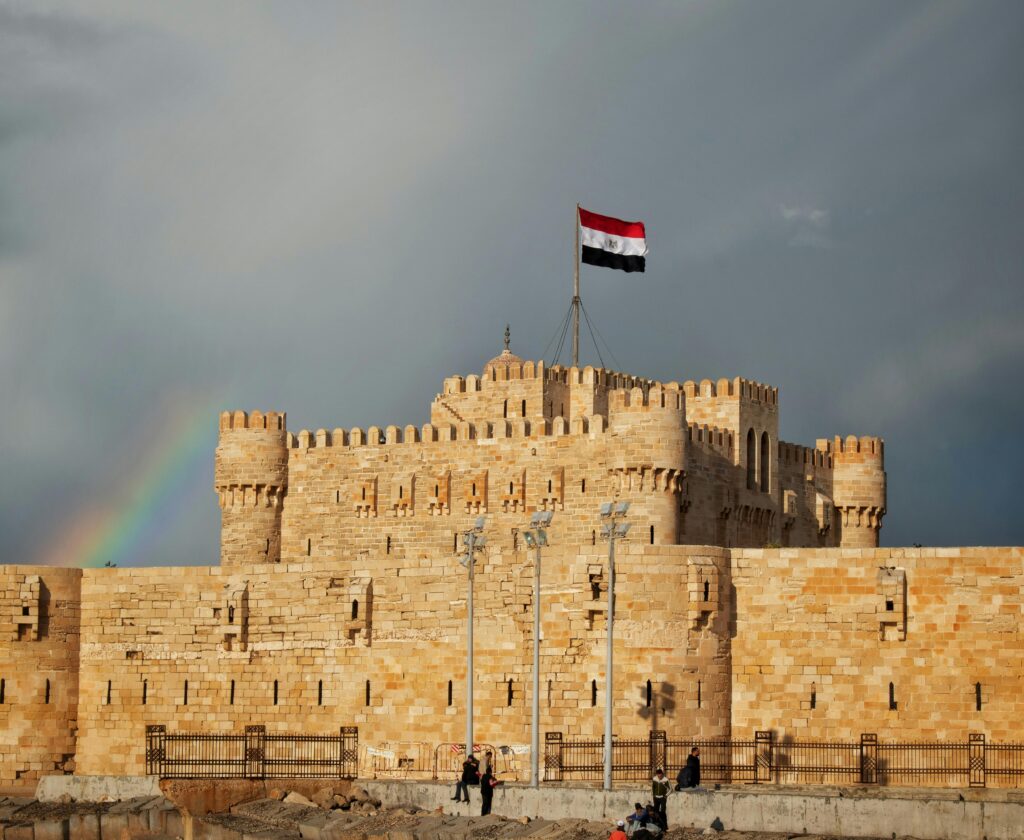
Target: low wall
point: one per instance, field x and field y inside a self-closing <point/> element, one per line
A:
<point x="850" y="812"/>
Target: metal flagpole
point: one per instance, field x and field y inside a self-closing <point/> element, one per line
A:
<point x="576" y="297"/>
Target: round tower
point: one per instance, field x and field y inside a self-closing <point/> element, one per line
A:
<point x="251" y="479"/>
<point x="858" y="489"/>
<point x="648" y="457"/>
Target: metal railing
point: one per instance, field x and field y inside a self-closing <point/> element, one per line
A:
<point x="254" y="754"/>
<point x="974" y="763"/>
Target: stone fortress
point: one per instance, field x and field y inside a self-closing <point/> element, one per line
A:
<point x="750" y="594"/>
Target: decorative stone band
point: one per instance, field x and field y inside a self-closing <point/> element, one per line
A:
<point x="648" y="479"/>
<point x="249" y="495"/>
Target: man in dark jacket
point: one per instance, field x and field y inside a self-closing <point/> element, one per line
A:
<point x="470" y="776"/>
<point x="689" y="776"/>
<point x="487" y="785"/>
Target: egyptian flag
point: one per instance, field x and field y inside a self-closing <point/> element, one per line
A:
<point x="613" y="243"/>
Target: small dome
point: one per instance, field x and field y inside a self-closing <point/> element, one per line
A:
<point x="506" y="358"/>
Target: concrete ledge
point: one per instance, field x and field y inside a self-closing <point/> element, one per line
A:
<point x="97" y="788"/>
<point x="848" y="812"/>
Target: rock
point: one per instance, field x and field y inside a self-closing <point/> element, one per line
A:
<point x="357" y="793"/>
<point x="709" y="832"/>
<point x="277" y="793"/>
<point x="524" y="820"/>
<point x="376" y="803"/>
<point x="324" y="798"/>
<point x="296" y="798"/>
<point x="340" y="800"/>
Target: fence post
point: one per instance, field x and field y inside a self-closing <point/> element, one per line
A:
<point x="255" y="751"/>
<point x="764" y="758"/>
<point x="976" y="759"/>
<point x="155" y="749"/>
<point x="656" y="751"/>
<point x="552" y="756"/>
<point x="868" y="758"/>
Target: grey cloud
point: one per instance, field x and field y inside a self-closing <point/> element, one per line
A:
<point x="326" y="208"/>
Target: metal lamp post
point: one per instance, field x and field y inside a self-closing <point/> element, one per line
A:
<point x="474" y="541"/>
<point x="536" y="537"/>
<point x="613" y="527"/>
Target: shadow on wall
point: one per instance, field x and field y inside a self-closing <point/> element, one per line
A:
<point x="656" y="702"/>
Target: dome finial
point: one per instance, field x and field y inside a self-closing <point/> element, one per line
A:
<point x="508" y="337"/>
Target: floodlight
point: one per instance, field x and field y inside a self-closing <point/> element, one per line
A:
<point x="622" y="529"/>
<point x="535" y="520"/>
<point x="464" y="561"/>
<point x="606" y="509"/>
<point x="606" y="531"/>
<point x="481" y="541"/>
<point x="621" y="508"/>
<point x="542" y="537"/>
<point x="480" y="522"/>
<point x="465" y="539"/>
<point x="530" y="541"/>
<point x="545" y="518"/>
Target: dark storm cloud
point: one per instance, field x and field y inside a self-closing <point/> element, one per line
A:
<point x="327" y="208"/>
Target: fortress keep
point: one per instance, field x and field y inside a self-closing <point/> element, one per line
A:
<point x="751" y="583"/>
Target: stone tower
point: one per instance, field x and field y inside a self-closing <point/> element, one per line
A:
<point x="251" y="480"/>
<point x="858" y="488"/>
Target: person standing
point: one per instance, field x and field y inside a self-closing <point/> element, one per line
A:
<point x="487" y="785"/>
<point x="660" y="787"/>
<point x="470" y="775"/>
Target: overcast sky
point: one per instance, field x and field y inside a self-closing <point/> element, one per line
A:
<point x="326" y="208"/>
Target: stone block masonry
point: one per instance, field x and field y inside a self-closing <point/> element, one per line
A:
<point x="339" y="600"/>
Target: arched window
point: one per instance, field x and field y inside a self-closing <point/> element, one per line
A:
<point x="765" y="463"/>
<point x="46" y="695"/>
<point x="355" y="609"/>
<point x="320" y="692"/>
<point x="184" y="698"/>
<point x="509" y="702"/>
<point x="648" y="694"/>
<point x="231" y="700"/>
<point x="275" y="692"/>
<point x="367" y="699"/>
<point x="593" y="692"/>
<point x="449" y="692"/>
<point x="145" y="691"/>
<point x="504" y="412"/>
<point x="751" y="460"/>
<point x="524" y="408"/>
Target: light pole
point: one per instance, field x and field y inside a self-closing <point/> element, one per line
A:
<point x="474" y="541"/>
<point x="611" y="515"/>
<point x="536" y="537"/>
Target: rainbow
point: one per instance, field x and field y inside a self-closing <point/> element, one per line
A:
<point x="170" y="453"/>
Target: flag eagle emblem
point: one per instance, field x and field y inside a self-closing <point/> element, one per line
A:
<point x="612" y="243"/>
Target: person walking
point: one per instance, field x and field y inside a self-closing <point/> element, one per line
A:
<point x="470" y="776"/>
<point x="660" y="787"/>
<point x="487" y="785"/>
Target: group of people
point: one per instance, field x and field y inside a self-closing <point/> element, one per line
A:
<point x="653" y="818"/>
<point x="476" y="773"/>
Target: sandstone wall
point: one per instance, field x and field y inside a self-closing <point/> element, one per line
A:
<point x="39" y="643"/>
<point x="844" y="624"/>
<point x="373" y="640"/>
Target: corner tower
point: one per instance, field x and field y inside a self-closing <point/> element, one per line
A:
<point x="251" y="479"/>
<point x="858" y="488"/>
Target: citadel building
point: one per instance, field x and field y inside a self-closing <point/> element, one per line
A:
<point x="751" y="593"/>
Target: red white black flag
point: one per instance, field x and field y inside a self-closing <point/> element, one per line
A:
<point x="613" y="243"/>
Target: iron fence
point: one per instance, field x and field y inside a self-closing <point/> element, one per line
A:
<point x="973" y="763"/>
<point x="254" y="754"/>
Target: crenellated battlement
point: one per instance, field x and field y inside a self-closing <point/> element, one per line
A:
<point x="738" y="388"/>
<point x="272" y="420"/>
<point x="656" y="396"/>
<point x="377" y="436"/>
<point x="794" y="453"/>
<point x="710" y="439"/>
<point x="842" y="448"/>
